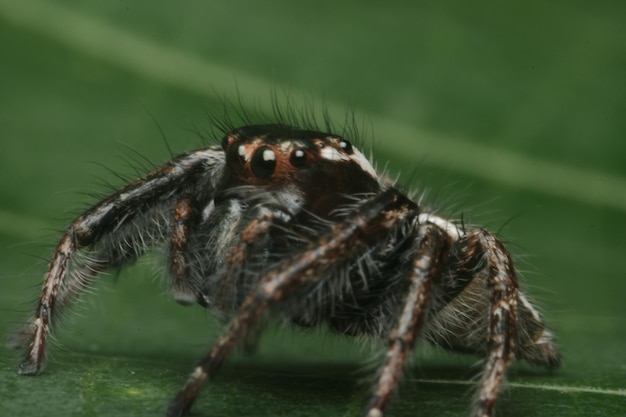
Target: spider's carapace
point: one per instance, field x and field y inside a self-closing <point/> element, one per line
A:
<point x="320" y="170"/>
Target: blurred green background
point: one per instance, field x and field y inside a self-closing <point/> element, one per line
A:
<point x="510" y="113"/>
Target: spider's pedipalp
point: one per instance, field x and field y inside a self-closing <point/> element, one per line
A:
<point x="184" y="217"/>
<point x="224" y="294"/>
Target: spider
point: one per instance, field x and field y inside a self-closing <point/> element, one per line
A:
<point x="297" y="223"/>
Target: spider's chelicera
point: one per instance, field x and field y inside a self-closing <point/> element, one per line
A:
<point x="298" y="223"/>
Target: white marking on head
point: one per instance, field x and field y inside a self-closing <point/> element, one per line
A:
<point x="287" y="145"/>
<point x="363" y="162"/>
<point x="332" y="154"/>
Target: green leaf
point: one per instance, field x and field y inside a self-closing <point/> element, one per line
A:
<point x="509" y="114"/>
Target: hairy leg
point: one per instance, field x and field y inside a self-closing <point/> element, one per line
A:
<point x="109" y="224"/>
<point x="373" y="222"/>
<point x="425" y="266"/>
<point x="502" y="283"/>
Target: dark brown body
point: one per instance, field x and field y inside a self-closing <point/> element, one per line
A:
<point x="298" y="223"/>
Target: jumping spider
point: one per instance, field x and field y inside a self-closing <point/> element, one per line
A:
<point x="298" y="223"/>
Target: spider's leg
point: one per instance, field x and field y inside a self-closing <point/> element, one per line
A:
<point x="184" y="217"/>
<point x="112" y="232"/>
<point x="425" y="266"/>
<point x="374" y="220"/>
<point x="503" y="286"/>
<point x="78" y="280"/>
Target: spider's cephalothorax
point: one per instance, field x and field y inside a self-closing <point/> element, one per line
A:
<point x="298" y="223"/>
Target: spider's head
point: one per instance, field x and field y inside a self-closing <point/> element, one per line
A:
<point x="325" y="168"/>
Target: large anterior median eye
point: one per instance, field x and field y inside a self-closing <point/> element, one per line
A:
<point x="263" y="162"/>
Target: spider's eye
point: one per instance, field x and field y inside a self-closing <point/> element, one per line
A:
<point x="263" y="162"/>
<point x="297" y="158"/>
<point x="346" y="146"/>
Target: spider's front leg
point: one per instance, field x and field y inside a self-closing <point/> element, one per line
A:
<point x="371" y="223"/>
<point x="425" y="266"/>
<point x="503" y="287"/>
<point x="119" y="228"/>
